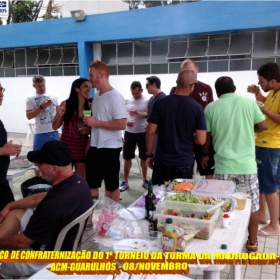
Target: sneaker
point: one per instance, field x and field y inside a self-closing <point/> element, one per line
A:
<point x="145" y="184"/>
<point x="124" y="186"/>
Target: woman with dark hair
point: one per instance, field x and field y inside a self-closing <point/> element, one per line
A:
<point x="70" y="115"/>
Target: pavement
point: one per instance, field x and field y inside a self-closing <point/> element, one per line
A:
<point x="267" y="244"/>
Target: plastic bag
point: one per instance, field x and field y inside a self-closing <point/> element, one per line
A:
<point x="116" y="221"/>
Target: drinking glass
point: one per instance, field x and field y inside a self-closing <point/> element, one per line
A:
<point x="17" y="142"/>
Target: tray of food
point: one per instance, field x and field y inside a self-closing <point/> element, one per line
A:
<point x="187" y="197"/>
<point x="20" y="162"/>
<point x="183" y="214"/>
<point x="181" y="185"/>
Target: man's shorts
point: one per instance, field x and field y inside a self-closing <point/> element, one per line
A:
<point x="250" y="182"/>
<point x="209" y="169"/>
<point x="131" y="140"/>
<point x="103" y="164"/>
<point x="163" y="173"/>
<point x="9" y="270"/>
<point x="42" y="138"/>
<point x="267" y="162"/>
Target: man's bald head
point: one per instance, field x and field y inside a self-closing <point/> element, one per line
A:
<point x="186" y="78"/>
<point x="189" y="64"/>
<point x="185" y="82"/>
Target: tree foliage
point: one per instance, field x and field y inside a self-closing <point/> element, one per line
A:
<point x="133" y="5"/>
<point x="28" y="10"/>
<point x="24" y="11"/>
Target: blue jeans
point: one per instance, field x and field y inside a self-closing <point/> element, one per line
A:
<point x="268" y="160"/>
<point x="42" y="138"/>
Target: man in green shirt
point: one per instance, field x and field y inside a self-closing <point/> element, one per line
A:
<point x="232" y="121"/>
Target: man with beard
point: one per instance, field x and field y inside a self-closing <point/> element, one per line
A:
<point x="107" y="122"/>
<point x="268" y="145"/>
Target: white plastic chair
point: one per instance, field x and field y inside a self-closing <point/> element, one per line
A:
<point x="82" y="225"/>
<point x="30" y="133"/>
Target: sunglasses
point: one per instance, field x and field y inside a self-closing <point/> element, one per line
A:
<point x="2" y="89"/>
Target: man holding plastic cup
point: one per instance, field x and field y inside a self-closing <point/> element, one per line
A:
<point x="107" y="122"/>
<point x="135" y="134"/>
<point x="6" y="150"/>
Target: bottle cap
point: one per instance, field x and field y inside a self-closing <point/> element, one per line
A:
<point x="224" y="246"/>
<point x="169" y="221"/>
<point x="226" y="216"/>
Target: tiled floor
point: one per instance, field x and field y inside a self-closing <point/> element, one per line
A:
<point x="266" y="244"/>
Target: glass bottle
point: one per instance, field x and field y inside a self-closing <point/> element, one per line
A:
<point x="150" y="201"/>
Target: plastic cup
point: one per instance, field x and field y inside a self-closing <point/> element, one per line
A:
<point x="155" y="239"/>
<point x="240" y="198"/>
<point x="87" y="113"/>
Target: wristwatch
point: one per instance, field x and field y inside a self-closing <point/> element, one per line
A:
<point x="150" y="156"/>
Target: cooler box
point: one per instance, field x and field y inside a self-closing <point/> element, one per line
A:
<point x="205" y="227"/>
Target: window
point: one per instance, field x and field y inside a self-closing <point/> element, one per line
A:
<point x="68" y="56"/>
<point x="142" y="52"/>
<point x="20" y="58"/>
<point x="177" y="50"/>
<point x="124" y="53"/>
<point x="109" y="53"/>
<point x="218" y="46"/>
<point x="142" y="69"/>
<point x="43" y="57"/>
<point x="264" y="43"/>
<point x="50" y="61"/>
<point x="197" y="48"/>
<point x="159" y="51"/>
<point x="55" y="56"/>
<point x="240" y="43"/>
<point x="125" y="69"/>
<point x="8" y="61"/>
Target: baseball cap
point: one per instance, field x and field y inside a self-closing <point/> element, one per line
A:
<point x="52" y="152"/>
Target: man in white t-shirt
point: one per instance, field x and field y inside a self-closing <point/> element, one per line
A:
<point x="42" y="107"/>
<point x="135" y="133"/>
<point x="107" y="122"/>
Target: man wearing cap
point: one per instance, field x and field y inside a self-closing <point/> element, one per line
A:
<point x="68" y="199"/>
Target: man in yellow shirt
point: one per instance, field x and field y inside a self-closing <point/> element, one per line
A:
<point x="268" y="145"/>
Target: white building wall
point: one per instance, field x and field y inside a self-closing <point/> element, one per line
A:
<point x="91" y="7"/>
<point x="12" y="111"/>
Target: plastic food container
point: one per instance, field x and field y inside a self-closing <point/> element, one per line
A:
<point x="170" y="187"/>
<point x="20" y="162"/>
<point x="214" y="188"/>
<point x="188" y="198"/>
<point x="205" y="227"/>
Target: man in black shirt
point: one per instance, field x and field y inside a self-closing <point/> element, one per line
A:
<point x="176" y="118"/>
<point x="6" y="150"/>
<point x="67" y="200"/>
